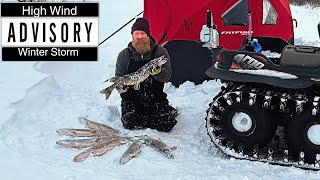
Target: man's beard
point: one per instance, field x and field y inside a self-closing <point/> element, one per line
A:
<point x="141" y="46"/>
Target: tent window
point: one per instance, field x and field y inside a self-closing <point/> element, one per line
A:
<point x="236" y="15"/>
<point x="270" y="15"/>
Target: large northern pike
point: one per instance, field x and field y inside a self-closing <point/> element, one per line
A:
<point x="134" y="78"/>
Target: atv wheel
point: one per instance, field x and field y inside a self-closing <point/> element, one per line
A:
<point x="303" y="135"/>
<point x="246" y="125"/>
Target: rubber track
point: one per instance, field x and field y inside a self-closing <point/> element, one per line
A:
<point x="291" y="98"/>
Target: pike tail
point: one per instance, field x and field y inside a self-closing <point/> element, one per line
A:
<point x="107" y="91"/>
<point x="170" y="153"/>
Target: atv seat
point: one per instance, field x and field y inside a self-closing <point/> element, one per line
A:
<point x="300" y="56"/>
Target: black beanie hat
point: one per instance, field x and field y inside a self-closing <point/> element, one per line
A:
<point x="141" y="24"/>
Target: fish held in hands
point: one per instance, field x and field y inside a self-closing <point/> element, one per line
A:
<point x="134" y="78"/>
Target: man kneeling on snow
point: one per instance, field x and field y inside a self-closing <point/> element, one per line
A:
<point x="147" y="107"/>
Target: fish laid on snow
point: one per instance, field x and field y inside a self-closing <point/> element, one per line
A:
<point x="83" y="132"/>
<point x="134" y="78"/>
<point x="98" y="126"/>
<point x="104" y="138"/>
<point x="133" y="151"/>
<point x="160" y="146"/>
<point x="100" y="149"/>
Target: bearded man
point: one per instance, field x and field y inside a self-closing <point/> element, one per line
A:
<point x="147" y="107"/>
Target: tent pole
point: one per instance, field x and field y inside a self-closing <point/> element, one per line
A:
<point x="120" y="28"/>
<point x="319" y="29"/>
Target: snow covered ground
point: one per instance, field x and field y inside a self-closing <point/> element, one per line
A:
<point x="39" y="98"/>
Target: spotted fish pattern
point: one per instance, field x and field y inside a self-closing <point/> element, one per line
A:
<point x="134" y="78"/>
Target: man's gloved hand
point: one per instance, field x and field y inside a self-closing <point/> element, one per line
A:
<point x="123" y="89"/>
<point x="155" y="71"/>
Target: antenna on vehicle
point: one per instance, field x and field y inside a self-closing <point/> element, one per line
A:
<point x="249" y="46"/>
<point x="250" y="27"/>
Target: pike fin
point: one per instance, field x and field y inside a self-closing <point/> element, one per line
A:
<point x="107" y="91"/>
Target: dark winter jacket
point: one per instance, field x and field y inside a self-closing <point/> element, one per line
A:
<point x="123" y="60"/>
<point x="151" y="90"/>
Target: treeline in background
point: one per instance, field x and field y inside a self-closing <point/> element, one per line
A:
<point x="314" y="3"/>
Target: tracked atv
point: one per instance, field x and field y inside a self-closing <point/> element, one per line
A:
<point x="268" y="109"/>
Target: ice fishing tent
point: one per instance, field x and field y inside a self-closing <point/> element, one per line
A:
<point x="177" y="24"/>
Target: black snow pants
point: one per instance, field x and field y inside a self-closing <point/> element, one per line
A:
<point x="159" y="116"/>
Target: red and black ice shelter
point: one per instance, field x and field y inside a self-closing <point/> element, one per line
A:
<point x="176" y="24"/>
